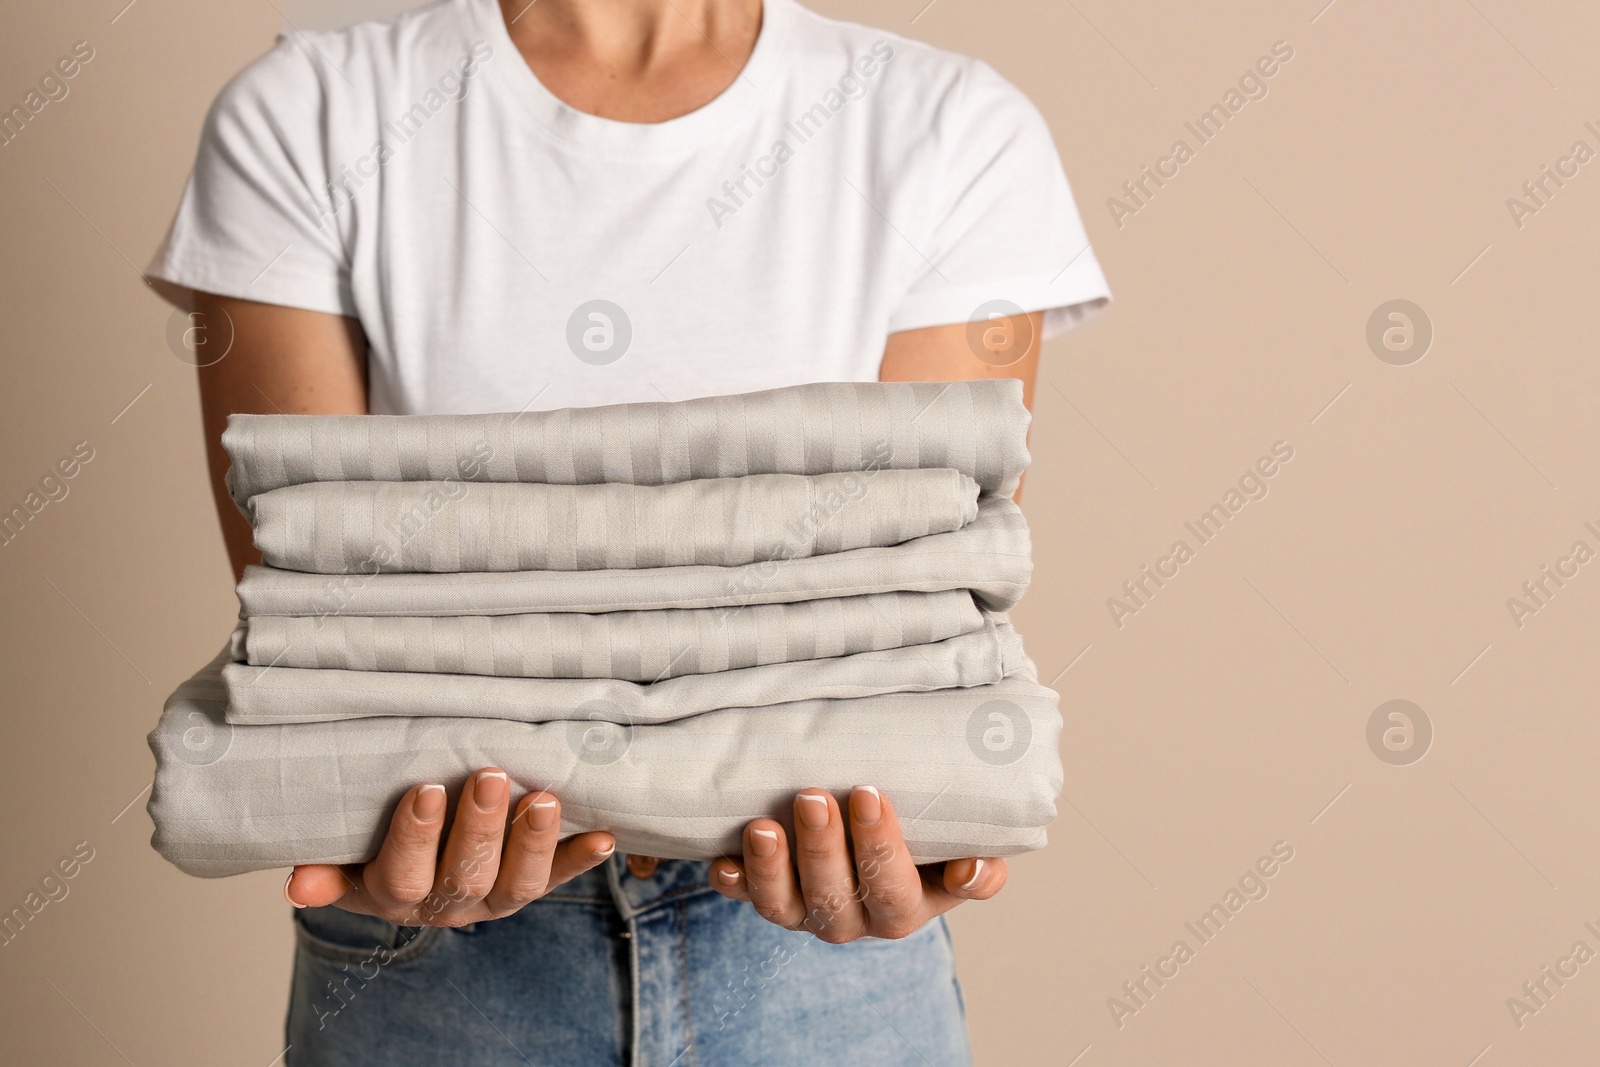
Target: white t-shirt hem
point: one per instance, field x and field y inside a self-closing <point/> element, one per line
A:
<point x="1069" y="301"/>
<point x="273" y="285"/>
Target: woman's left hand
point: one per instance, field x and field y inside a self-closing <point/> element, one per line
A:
<point x="839" y="889"/>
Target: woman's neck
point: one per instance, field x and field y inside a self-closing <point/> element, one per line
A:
<point x="634" y="60"/>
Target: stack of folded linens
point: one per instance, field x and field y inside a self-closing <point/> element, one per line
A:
<point x="673" y="616"/>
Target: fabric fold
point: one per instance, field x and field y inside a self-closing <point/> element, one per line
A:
<point x="977" y="427"/>
<point x="455" y="526"/>
<point x="634" y="646"/>
<point x="990" y="557"/>
<point x="673" y="616"/>
<point x="288" y="694"/>
<point x="976" y="770"/>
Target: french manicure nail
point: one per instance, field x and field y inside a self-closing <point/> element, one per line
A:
<point x="286" y="895"/>
<point x="429" y="802"/>
<point x="977" y="872"/>
<point x="764" y="843"/>
<point x="541" y="815"/>
<point x="868" y="805"/>
<point x="602" y="853"/>
<point x="730" y="877"/>
<point x="813" y="811"/>
<point x="489" y="790"/>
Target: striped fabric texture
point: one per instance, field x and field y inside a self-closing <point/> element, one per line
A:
<point x="278" y="694"/>
<point x="978" y="428"/>
<point x="634" y="646"/>
<point x="975" y="772"/>
<point x="454" y="526"/>
<point x="673" y="616"/>
<point x="991" y="557"/>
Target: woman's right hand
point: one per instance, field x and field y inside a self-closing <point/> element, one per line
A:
<point x="484" y="872"/>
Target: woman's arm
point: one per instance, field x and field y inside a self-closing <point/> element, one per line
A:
<point x="281" y="360"/>
<point x="948" y="353"/>
<point x="849" y="873"/>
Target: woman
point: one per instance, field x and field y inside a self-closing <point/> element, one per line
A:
<point x="484" y="206"/>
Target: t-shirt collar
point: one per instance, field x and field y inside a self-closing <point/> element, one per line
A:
<point x="609" y="136"/>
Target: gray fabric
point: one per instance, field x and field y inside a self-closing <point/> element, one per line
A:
<point x="454" y="526"/>
<point x="990" y="556"/>
<point x="971" y="772"/>
<point x="955" y="728"/>
<point x="634" y="646"/>
<point x="288" y="694"/>
<point x="979" y="428"/>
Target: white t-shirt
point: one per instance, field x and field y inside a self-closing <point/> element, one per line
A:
<point x="499" y="246"/>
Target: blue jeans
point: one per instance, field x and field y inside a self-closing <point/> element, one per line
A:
<point x="612" y="969"/>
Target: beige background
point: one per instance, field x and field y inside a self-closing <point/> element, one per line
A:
<point x="1226" y="716"/>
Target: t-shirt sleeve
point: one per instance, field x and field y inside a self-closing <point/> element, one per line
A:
<point x="253" y="222"/>
<point x="1004" y="231"/>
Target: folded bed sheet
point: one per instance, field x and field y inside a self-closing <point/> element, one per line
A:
<point x="979" y="428"/>
<point x="452" y="526"/>
<point x="289" y="694"/>
<point x="673" y="616"/>
<point x="634" y="646"/>
<point x="971" y="771"/>
<point x="990" y="556"/>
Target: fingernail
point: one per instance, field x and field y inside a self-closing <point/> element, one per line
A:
<point x="429" y="802"/>
<point x="602" y="853"/>
<point x="286" y="895"/>
<point x="541" y="814"/>
<point x="729" y="877"/>
<point x="977" y="872"/>
<point x="867" y="804"/>
<point x="813" y="811"/>
<point x="764" y="843"/>
<point x="489" y="790"/>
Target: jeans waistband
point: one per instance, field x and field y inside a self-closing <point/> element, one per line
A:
<point x="613" y="883"/>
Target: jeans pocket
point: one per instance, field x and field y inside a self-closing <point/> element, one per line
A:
<point x="341" y="936"/>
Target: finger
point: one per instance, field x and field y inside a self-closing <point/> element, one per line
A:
<point x="580" y="853"/>
<point x="402" y="875"/>
<point x="891" y="886"/>
<point x="770" y="881"/>
<point x="472" y="852"/>
<point x="320" y="884"/>
<point x="727" y="878"/>
<point x="961" y="880"/>
<point x="827" y="875"/>
<point x="316" y="885"/>
<point x="525" y="865"/>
